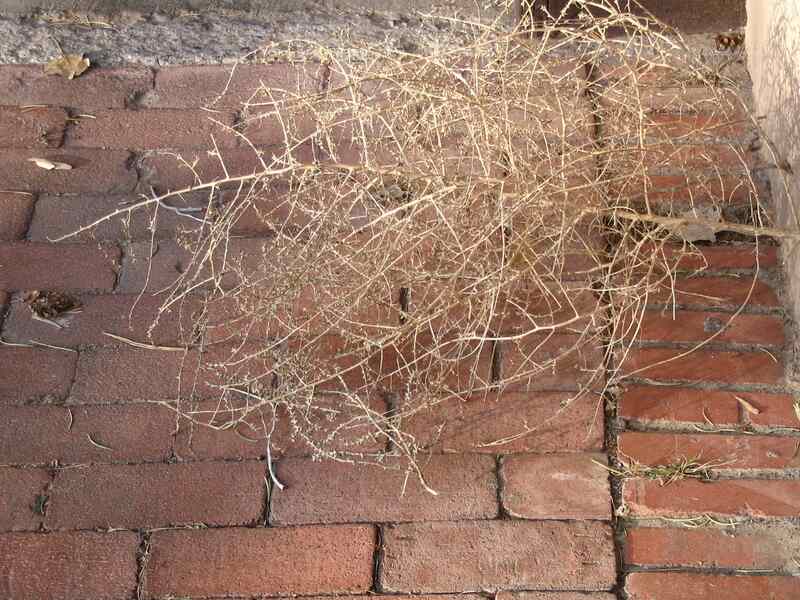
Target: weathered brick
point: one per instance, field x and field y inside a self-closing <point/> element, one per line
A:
<point x="685" y="326"/>
<point x="745" y="497"/>
<point x="151" y="129"/>
<point x="510" y="422"/>
<point x="687" y="190"/>
<point x="304" y="560"/>
<point x="330" y="492"/>
<point x="170" y="171"/>
<point x="16" y="210"/>
<point x="678" y="586"/>
<point x="717" y="292"/>
<point x="733" y="256"/>
<point x="567" y="486"/>
<point x="65" y="566"/>
<point x="43" y="434"/>
<point x="125" y="315"/>
<point x="226" y="87"/>
<point x="35" y="374"/>
<point x="729" y="368"/>
<point x="32" y="127"/>
<point x="549" y="363"/>
<point x="745" y="547"/>
<point x="735" y="452"/>
<point x="495" y="555"/>
<point x="554" y="596"/>
<point x="92" y="170"/>
<point x="157" y="495"/>
<point x="98" y="88"/>
<point x="65" y="267"/>
<point x="18" y="500"/>
<point x="700" y="406"/>
<point x="56" y="216"/>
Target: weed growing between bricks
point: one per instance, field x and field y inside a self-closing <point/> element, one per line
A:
<point x="450" y="228"/>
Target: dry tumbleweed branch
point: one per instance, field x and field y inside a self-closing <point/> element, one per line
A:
<point x="449" y="226"/>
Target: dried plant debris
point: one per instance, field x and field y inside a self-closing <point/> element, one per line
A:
<point x="729" y="41"/>
<point x="49" y="165"/>
<point x="67" y="65"/>
<point x="50" y="305"/>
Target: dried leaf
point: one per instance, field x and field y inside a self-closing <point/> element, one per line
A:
<point x="700" y="232"/>
<point x="50" y="305"/>
<point x="747" y="406"/>
<point x="50" y="165"/>
<point x="67" y="65"/>
<point x="797" y="409"/>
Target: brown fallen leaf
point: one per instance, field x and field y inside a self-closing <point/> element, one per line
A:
<point x="747" y="406"/>
<point x="67" y="65"/>
<point x="50" y="305"/>
<point x="50" y="165"/>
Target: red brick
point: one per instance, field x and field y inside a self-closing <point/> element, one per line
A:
<point x="687" y="190"/>
<point x="685" y="326"/>
<point x="221" y="87"/>
<point x="108" y="171"/>
<point x="150" y="129"/>
<point x="170" y="171"/>
<point x="679" y="586"/>
<point x="553" y="596"/>
<point x="567" y="486"/>
<point x="56" y="216"/>
<point x="16" y="209"/>
<point x="21" y="487"/>
<point x="746" y="547"/>
<point x="549" y="363"/>
<point x="97" y="88"/>
<point x="35" y="374"/>
<point x="331" y="425"/>
<point x="721" y="257"/>
<point x="745" y="497"/>
<point x="65" y="267"/>
<point x="509" y="422"/>
<point x="301" y="560"/>
<point x="695" y="126"/>
<point x="157" y="495"/>
<point x="43" y="434"/>
<point x="98" y="314"/>
<point x="735" y="451"/>
<point x="706" y="366"/>
<point x="331" y="492"/>
<point x="718" y="292"/>
<point x="65" y="566"/>
<point x="695" y="406"/>
<point x="32" y="127"/>
<point x="495" y="555"/>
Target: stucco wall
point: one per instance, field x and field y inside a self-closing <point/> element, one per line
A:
<point x="773" y="48"/>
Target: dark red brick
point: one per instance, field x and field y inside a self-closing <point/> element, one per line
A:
<point x="16" y="209"/>
<point x="32" y="127"/>
<point x="719" y="257"/>
<point x="21" y="488"/>
<point x="556" y="486"/>
<point x="124" y="315"/>
<point x="510" y="422"/>
<point x="331" y="492"/>
<point x="151" y="129"/>
<point x="718" y="292"/>
<point x="23" y="85"/>
<point x="550" y="363"/>
<point x="65" y="566"/>
<point x="678" y="586"/>
<point x="157" y="495"/>
<point x="735" y="452"/>
<point x="92" y="170"/>
<point x="495" y="555"/>
<point x="745" y="497"/>
<point x="301" y="560"/>
<point x="685" y="326"/>
<point x="66" y="267"/>
<point x="706" y="366"/>
<point x="226" y="87"/>
<point x="35" y="374"/>
<point x="761" y="547"/>
<point x="43" y="434"/>
<point x="56" y="216"/>
<point x="700" y="406"/>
